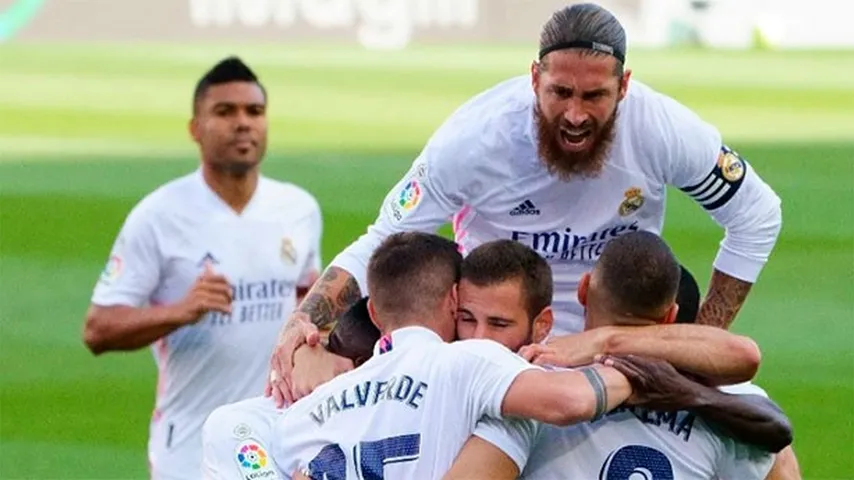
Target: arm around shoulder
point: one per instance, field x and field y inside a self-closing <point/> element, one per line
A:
<point x="567" y="397"/>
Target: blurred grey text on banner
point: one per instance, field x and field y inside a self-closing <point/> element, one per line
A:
<point x="395" y="24"/>
<point x="375" y="24"/>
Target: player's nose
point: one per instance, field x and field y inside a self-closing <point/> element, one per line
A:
<point x="575" y="113"/>
<point x="480" y="331"/>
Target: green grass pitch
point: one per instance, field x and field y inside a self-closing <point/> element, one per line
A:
<point x="86" y="131"/>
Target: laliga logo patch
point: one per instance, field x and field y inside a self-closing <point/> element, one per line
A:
<point x="410" y="195"/>
<point x="632" y="203"/>
<point x="112" y="270"/>
<point x="288" y="252"/>
<point x="731" y="165"/>
<point x="406" y="200"/>
<point x="253" y="461"/>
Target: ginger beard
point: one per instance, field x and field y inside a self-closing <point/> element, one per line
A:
<point x="568" y="164"/>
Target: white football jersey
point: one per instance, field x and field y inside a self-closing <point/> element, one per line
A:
<point x="265" y="253"/>
<point x="236" y="441"/>
<point x="480" y="171"/>
<point x="405" y="413"/>
<point x="634" y="442"/>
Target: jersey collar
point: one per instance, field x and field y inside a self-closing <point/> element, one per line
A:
<point x="404" y="337"/>
<point x="211" y="198"/>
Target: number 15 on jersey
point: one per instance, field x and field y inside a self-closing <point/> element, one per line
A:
<point x="369" y="458"/>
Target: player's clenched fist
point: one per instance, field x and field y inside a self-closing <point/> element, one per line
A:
<point x="211" y="292"/>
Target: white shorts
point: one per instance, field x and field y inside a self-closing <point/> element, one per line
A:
<point x="236" y="440"/>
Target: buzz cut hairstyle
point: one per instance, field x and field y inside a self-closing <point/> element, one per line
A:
<point x="228" y="70"/>
<point x="411" y="272"/>
<point x="506" y="260"/>
<point x="638" y="274"/>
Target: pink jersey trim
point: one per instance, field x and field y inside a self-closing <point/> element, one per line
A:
<point x="460" y="233"/>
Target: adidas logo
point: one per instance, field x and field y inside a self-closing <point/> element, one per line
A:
<point x="525" y="208"/>
<point x="208" y="258"/>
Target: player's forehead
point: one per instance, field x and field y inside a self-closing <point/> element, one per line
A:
<point x="579" y="70"/>
<point x="505" y="298"/>
<point x="234" y="93"/>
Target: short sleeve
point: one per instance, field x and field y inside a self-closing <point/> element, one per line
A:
<point x="490" y="368"/>
<point x="133" y="268"/>
<point x="740" y="461"/>
<point x="513" y="436"/>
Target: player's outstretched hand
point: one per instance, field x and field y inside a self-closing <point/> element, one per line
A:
<point x="564" y="351"/>
<point x="655" y="383"/>
<point x="314" y="366"/>
<point x="210" y="292"/>
<point x="298" y="331"/>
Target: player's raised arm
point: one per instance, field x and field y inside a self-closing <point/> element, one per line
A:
<point x="734" y="195"/>
<point x="566" y="397"/>
<point x="118" y="319"/>
<point x="423" y="200"/>
<point x="716" y="355"/>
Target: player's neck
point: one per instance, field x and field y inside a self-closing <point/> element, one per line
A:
<point x="235" y="190"/>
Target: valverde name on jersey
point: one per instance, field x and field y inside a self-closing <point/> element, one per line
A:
<point x="405" y="390"/>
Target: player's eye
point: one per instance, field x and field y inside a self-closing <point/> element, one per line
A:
<point x="223" y="111"/>
<point x="592" y="96"/>
<point x="563" y="92"/>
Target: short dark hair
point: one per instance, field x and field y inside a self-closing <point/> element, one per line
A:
<point x="639" y="274"/>
<point x="688" y="297"/>
<point x="411" y="272"/>
<point x="354" y="335"/>
<point x="585" y="23"/>
<point x="502" y="260"/>
<point x="230" y="69"/>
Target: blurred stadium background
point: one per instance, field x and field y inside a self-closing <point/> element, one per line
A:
<point x="95" y="96"/>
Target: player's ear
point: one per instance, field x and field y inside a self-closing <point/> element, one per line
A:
<point x="454" y="299"/>
<point x="583" y="289"/>
<point x="670" y="316"/>
<point x="624" y="83"/>
<point x="372" y="312"/>
<point x="195" y="129"/>
<point x="542" y="325"/>
<point x="535" y="75"/>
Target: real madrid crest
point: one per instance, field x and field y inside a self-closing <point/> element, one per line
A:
<point x="731" y="165"/>
<point x="632" y="203"/>
<point x="288" y="252"/>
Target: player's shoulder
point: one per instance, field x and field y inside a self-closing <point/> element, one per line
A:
<point x="283" y="193"/>
<point x="484" y="349"/>
<point x="165" y="199"/>
<point x="492" y="122"/>
<point x="657" y="116"/>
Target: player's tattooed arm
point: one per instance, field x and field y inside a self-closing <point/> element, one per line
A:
<point x="725" y="298"/>
<point x="330" y="296"/>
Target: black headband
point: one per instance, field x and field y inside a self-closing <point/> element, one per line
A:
<point x="599" y="47"/>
